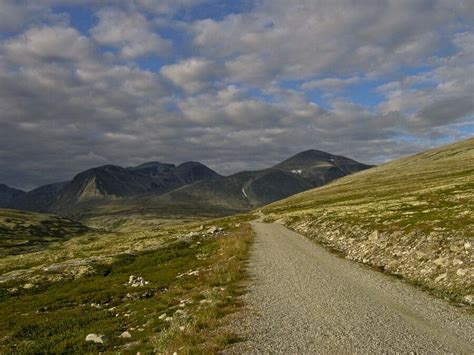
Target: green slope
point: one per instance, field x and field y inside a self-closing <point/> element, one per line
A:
<point x="22" y="231"/>
<point x="413" y="217"/>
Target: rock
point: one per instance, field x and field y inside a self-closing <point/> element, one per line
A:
<point x="467" y="245"/>
<point x="374" y="236"/>
<point x="441" y="277"/>
<point x="440" y="262"/>
<point x="163" y="316"/>
<point x="469" y="299"/>
<point x="126" y="334"/>
<point x="137" y="281"/>
<point x="214" y="230"/>
<point x="461" y="272"/>
<point x="182" y="328"/>
<point x="457" y="262"/>
<point x="98" y="339"/>
<point x="28" y="286"/>
<point x="180" y="313"/>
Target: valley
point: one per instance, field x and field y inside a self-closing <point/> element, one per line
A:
<point x="182" y="265"/>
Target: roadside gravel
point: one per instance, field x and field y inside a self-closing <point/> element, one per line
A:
<point x="304" y="299"/>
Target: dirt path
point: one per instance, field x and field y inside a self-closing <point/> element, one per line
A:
<point x="305" y="300"/>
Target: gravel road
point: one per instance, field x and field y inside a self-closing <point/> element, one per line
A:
<point x="304" y="299"/>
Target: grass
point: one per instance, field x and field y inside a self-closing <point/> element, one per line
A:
<point x="22" y="232"/>
<point x="195" y="280"/>
<point x="420" y="208"/>
<point x="429" y="190"/>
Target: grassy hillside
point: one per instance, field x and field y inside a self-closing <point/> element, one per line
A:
<point x="413" y="217"/>
<point x="52" y="299"/>
<point x="22" y="231"/>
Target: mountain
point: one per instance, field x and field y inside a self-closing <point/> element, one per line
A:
<point x="319" y="167"/>
<point x="189" y="188"/>
<point x="8" y="194"/>
<point x="153" y="168"/>
<point x="109" y="182"/>
<point x="39" y="199"/>
<point x="413" y="217"/>
<point x="249" y="189"/>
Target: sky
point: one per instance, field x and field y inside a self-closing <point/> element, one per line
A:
<point x="234" y="84"/>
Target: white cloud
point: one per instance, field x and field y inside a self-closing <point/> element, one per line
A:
<point x="58" y="43"/>
<point x="67" y="106"/>
<point x="314" y="38"/>
<point x="131" y="33"/>
<point x="193" y="75"/>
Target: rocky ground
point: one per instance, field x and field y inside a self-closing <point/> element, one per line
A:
<point x="439" y="262"/>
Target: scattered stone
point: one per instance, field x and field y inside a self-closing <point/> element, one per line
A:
<point x="461" y="272"/>
<point x="137" y="281"/>
<point x="28" y="286"/>
<point x="182" y="328"/>
<point x="163" y="316"/>
<point x="98" y="339"/>
<point x="168" y="319"/>
<point x="457" y="262"/>
<point x="467" y="245"/>
<point x="125" y="335"/>
<point x="214" y="230"/>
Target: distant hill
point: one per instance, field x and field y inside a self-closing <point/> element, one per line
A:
<point x="22" y="231"/>
<point x="8" y="194"/>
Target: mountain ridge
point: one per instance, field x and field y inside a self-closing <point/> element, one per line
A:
<point x="189" y="186"/>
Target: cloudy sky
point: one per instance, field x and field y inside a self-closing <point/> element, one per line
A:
<point x="233" y="84"/>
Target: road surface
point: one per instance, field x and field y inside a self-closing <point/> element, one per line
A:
<point x="304" y="299"/>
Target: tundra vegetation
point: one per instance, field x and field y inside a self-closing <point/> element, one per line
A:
<point x="413" y="217"/>
<point x="165" y="289"/>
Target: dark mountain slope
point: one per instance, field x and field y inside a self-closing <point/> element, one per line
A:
<point x="320" y="167"/>
<point x="250" y="189"/>
<point x="153" y="168"/>
<point x="99" y="185"/>
<point x="8" y="194"/>
<point x="39" y="199"/>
